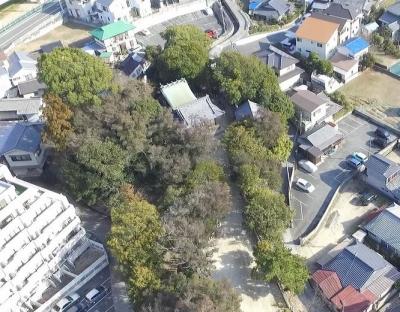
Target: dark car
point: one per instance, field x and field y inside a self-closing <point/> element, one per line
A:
<point x="380" y="142"/>
<point x="367" y="198"/>
<point x="382" y="133"/>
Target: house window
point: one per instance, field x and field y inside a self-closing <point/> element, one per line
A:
<point x="25" y="157"/>
<point x="319" y="45"/>
<point x="298" y="39"/>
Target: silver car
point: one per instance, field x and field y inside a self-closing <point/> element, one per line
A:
<point x="307" y="166"/>
<point x="305" y="185"/>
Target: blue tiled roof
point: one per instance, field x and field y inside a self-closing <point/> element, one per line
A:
<point x="355" y="265"/>
<point x="20" y="135"/>
<point x="386" y="226"/>
<point x="356" y="45"/>
<point x="255" y="4"/>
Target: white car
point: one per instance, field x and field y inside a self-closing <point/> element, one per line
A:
<point x="360" y="156"/>
<point x="305" y="185"/>
<point x="307" y="166"/>
<point x="66" y="302"/>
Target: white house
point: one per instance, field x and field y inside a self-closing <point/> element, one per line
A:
<point x="31" y="88"/>
<point x="352" y="13"/>
<point x="283" y="64"/>
<point x="355" y="48"/>
<point x="21" y="109"/>
<point x="312" y="109"/>
<point x="5" y="83"/>
<point x="116" y="38"/>
<point x="82" y="9"/>
<point x="345" y="68"/>
<point x="44" y="251"/>
<point x="317" y="35"/>
<point x="21" y="67"/>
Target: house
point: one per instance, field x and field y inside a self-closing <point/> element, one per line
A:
<point x="247" y="110"/>
<point x="200" y="111"/>
<point x="5" y="83"/>
<point x="21" y="67"/>
<point x="344" y="67"/>
<point x="116" y="38"/>
<point x="344" y="24"/>
<point x="320" y="141"/>
<point x="270" y="10"/>
<point x="352" y="13"/>
<point x="357" y="279"/>
<point x="391" y="19"/>
<point x="187" y="108"/>
<point x="49" y="47"/>
<point x="324" y="83"/>
<point x="355" y="48"/>
<point x="368" y="29"/>
<point x="44" y="249"/>
<point x="17" y="109"/>
<point x="387" y="241"/>
<point x="312" y="109"/>
<point x="135" y="65"/>
<point x="21" y="147"/>
<point x="384" y="175"/>
<point x="318" y="5"/>
<point x="317" y="35"/>
<point x="31" y="88"/>
<point x="283" y="64"/>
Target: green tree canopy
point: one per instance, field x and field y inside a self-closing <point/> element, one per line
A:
<point x="58" y="121"/>
<point x="276" y="262"/>
<point x="315" y="63"/>
<point x="75" y="76"/>
<point x="95" y="171"/>
<point x="185" y="54"/>
<point x="247" y="78"/>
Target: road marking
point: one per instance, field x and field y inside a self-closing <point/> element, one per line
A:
<point x="108" y="279"/>
<point x="309" y="195"/>
<point x="108" y="295"/>
<point x="109" y="309"/>
<point x="337" y="176"/>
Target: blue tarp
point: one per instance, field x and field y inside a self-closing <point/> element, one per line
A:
<point x="255" y="4"/>
<point x="356" y="45"/>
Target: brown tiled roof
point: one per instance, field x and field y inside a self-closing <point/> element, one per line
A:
<point x="343" y="62"/>
<point x="316" y="30"/>
<point x="351" y="300"/>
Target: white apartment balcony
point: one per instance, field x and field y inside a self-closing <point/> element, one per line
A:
<point x="27" y="270"/>
<point x="35" y="209"/>
<point x="6" y="292"/>
<point x="17" y="243"/>
<point x="11" y="230"/>
<point x="31" y="281"/>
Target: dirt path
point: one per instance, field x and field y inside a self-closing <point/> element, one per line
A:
<point x="234" y="261"/>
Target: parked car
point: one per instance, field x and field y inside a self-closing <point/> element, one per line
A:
<point x="307" y="166"/>
<point x="211" y="33"/>
<point x="66" y="302"/>
<point x="96" y="294"/>
<point x="360" y="156"/>
<point x="79" y="307"/>
<point x="380" y="142"/>
<point x="367" y="197"/>
<point x="354" y="163"/>
<point x="305" y="185"/>
<point x="382" y="133"/>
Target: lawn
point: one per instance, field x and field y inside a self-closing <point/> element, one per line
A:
<point x="13" y="9"/>
<point x="69" y="34"/>
<point x="382" y="58"/>
<point x="378" y="93"/>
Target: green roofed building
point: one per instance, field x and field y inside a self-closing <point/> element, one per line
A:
<point x="177" y="94"/>
<point x="116" y="38"/>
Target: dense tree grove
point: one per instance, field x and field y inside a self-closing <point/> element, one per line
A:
<point x="75" y="76"/>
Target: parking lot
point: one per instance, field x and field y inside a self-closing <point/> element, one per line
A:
<point x="201" y="19"/>
<point x="358" y="134"/>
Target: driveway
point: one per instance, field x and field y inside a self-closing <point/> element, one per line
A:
<point x="310" y="207"/>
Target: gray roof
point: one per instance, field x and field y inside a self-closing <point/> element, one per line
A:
<point x="248" y="109"/>
<point x="47" y="48"/>
<point x="30" y="86"/>
<point x="280" y="6"/>
<point x="343" y="10"/>
<point x="275" y="58"/>
<point x="106" y="3"/>
<point x="382" y="165"/>
<point x="330" y="18"/>
<point x="20" y="60"/>
<point x="324" y="137"/>
<point x="22" y="136"/>
<point x="177" y="93"/>
<point x="199" y="110"/>
<point x="386" y="226"/>
<point x="394" y="9"/>
<point x="132" y="62"/>
<point x="358" y="266"/>
<point x="307" y="100"/>
<point x="389" y="18"/>
<point x="21" y="106"/>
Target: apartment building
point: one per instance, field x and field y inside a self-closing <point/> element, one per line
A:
<point x="44" y="251"/>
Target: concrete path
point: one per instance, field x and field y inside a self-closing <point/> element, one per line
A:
<point x="234" y="261"/>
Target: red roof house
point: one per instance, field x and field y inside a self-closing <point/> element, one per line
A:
<point x="328" y="282"/>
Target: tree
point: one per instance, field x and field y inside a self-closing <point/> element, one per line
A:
<point x="95" y="171"/>
<point x="367" y="61"/>
<point x="269" y="127"/>
<point x="247" y="78"/>
<point x="315" y="63"/>
<point x="267" y="214"/>
<point x="276" y="262"/>
<point x="377" y="39"/>
<point x="205" y="171"/>
<point x="75" y="76"/>
<point x="135" y="230"/>
<point x="185" y="54"/>
<point x="58" y="121"/>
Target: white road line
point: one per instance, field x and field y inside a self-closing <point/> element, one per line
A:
<point x="108" y="279"/>
<point x="309" y="195"/>
<point x="336" y="177"/>
<point x="107" y="295"/>
<point x="109" y="309"/>
<point x="365" y="149"/>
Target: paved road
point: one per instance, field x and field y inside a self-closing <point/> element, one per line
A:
<point x="10" y="35"/>
<point x="309" y="207"/>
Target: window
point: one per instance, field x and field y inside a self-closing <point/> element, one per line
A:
<point x="319" y="45"/>
<point x="25" y="157"/>
<point x="298" y="39"/>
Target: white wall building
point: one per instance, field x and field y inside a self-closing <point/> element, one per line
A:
<point x="41" y="239"/>
<point x="323" y="42"/>
<point x="21" y="67"/>
<point x="5" y="83"/>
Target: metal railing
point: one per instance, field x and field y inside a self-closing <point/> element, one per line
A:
<point x="19" y="19"/>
